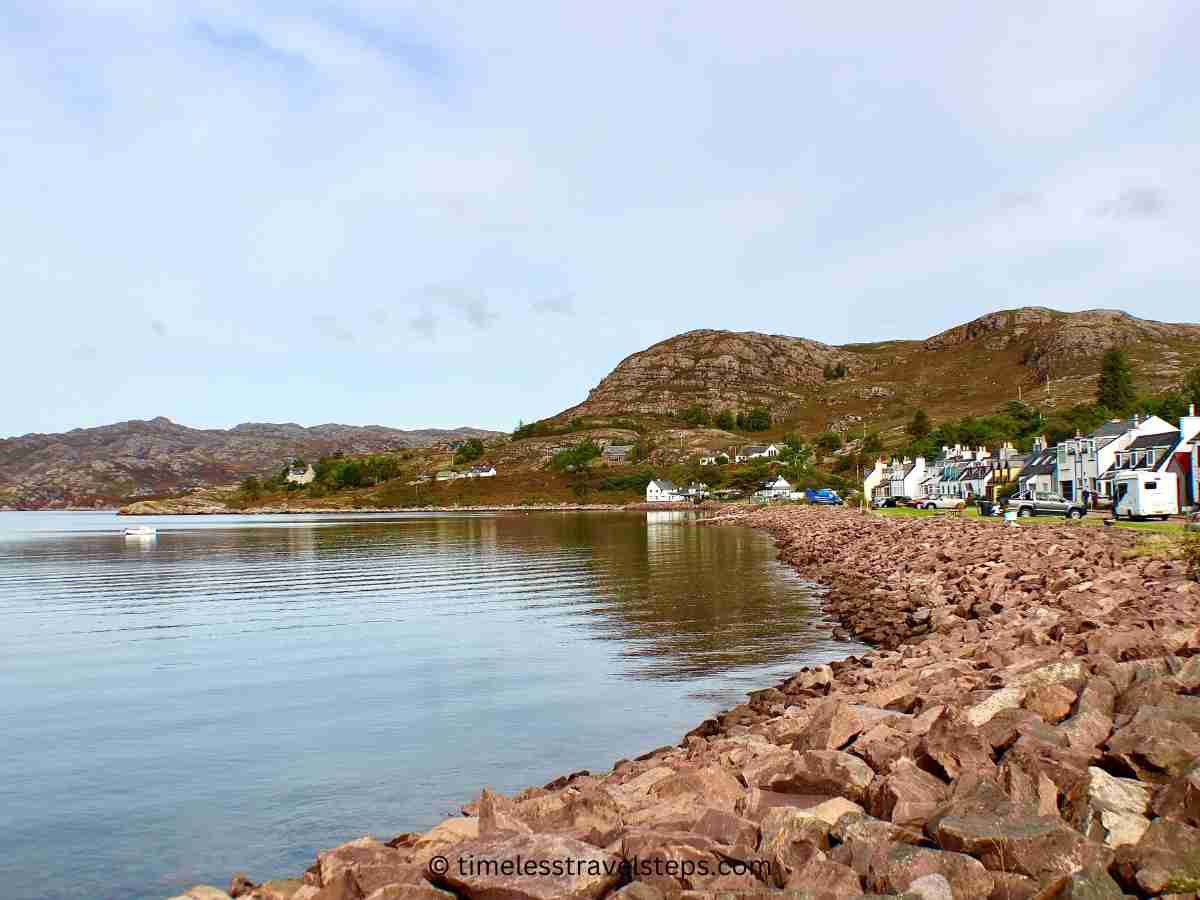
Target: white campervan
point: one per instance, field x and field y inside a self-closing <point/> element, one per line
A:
<point x="1139" y="495"/>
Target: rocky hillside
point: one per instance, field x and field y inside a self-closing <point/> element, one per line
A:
<point x="106" y="465"/>
<point x="1047" y="356"/>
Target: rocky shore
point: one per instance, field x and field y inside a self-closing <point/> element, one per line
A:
<point x="187" y="507"/>
<point x="1029" y="726"/>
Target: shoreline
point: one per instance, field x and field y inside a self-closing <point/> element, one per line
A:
<point x="1027" y="726"/>
<point x="389" y="510"/>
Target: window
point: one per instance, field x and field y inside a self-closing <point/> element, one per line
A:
<point x="1150" y="486"/>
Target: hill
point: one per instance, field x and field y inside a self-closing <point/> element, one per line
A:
<point x="1046" y="357"/>
<point x="107" y="465"/>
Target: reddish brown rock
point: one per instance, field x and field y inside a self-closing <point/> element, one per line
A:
<point x="1052" y="702"/>
<point x="1042" y="847"/>
<point x="904" y="864"/>
<point x="824" y="879"/>
<point x="1155" y="750"/>
<point x="906" y="795"/>
<point x="531" y="867"/>
<point x="1168" y="855"/>
<point x="1179" y="798"/>
<point x="410" y="892"/>
<point x="372" y="863"/>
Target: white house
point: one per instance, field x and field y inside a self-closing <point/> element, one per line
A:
<point x="712" y="457"/>
<point x="756" y="451"/>
<point x="662" y="491"/>
<point x="1039" y="472"/>
<point x="301" y="474"/>
<point x="775" y="488"/>
<point x="1170" y="451"/>
<point x="481" y="472"/>
<point x="1082" y="460"/>
<point x="874" y="479"/>
<point x="445" y="475"/>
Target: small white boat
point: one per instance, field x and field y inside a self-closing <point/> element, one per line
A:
<point x="141" y="531"/>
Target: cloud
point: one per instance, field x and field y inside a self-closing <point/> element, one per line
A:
<point x="378" y="316"/>
<point x="158" y="327"/>
<point x="1136" y="203"/>
<point x="562" y="305"/>
<point x="476" y="311"/>
<point x="331" y="328"/>
<point x="84" y="353"/>
<point x="424" y="323"/>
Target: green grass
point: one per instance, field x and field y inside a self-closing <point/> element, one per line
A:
<point x="1093" y="520"/>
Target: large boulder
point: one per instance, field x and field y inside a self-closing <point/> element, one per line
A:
<point x="1109" y="809"/>
<point x="590" y="814"/>
<point x="1165" y="860"/>
<point x="1179" y="798"/>
<point x="790" y="840"/>
<point x="1154" y="749"/>
<point x="1039" y="847"/>
<point x="907" y="795"/>
<point x="372" y="863"/>
<point x="531" y="867"/>
<point x="894" y="871"/>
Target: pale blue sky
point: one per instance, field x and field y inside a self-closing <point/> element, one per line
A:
<point x="438" y="213"/>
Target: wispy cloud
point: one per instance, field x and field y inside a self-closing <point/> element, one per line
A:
<point x="563" y="305"/>
<point x="1143" y="202"/>
<point x="424" y="323"/>
<point x="331" y="328"/>
<point x="158" y="327"/>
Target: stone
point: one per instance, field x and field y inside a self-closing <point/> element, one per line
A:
<point x="638" y="890"/>
<point x="824" y="879"/>
<point x="1108" y="809"/>
<point x="372" y="863"/>
<point x="983" y="711"/>
<point x="591" y="814"/>
<point x="277" y="889"/>
<point x="903" y="864"/>
<point x="790" y="839"/>
<point x="1166" y="858"/>
<point x="240" y="884"/>
<point x="493" y="821"/>
<point x="671" y="861"/>
<point x="531" y="867"/>
<point x="443" y="837"/>
<point x="410" y="892"/>
<point x="203" y="892"/>
<point x="907" y="795"/>
<point x="833" y="725"/>
<point x="930" y="887"/>
<point x="879" y="747"/>
<point x="711" y="784"/>
<point x="1011" y="886"/>
<point x="953" y="746"/>
<point x="729" y="829"/>
<point x="1052" y="702"/>
<point x="1154" y="750"/>
<point x="1179" y="798"/>
<point x="1040" y="847"/>
<point x="1090" y="883"/>
<point x="343" y="886"/>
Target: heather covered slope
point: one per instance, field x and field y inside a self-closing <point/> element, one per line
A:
<point x="1046" y="357"/>
<point x="101" y="466"/>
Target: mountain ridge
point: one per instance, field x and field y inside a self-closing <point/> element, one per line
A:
<point x="107" y="464"/>
<point x="1046" y="355"/>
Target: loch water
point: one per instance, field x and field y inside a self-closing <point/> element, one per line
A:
<point x="239" y="692"/>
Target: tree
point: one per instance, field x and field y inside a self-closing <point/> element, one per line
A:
<point x="251" y="486"/>
<point x="758" y="420"/>
<point x="1115" y="390"/>
<point x="741" y="421"/>
<point x="696" y="415"/>
<point x="828" y="442"/>
<point x="919" y="427"/>
<point x="872" y="443"/>
<point x="725" y="420"/>
<point x="470" y="451"/>
<point x="1191" y="387"/>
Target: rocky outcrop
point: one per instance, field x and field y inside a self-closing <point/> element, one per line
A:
<point x="1027" y="728"/>
<point x="740" y="370"/>
<point x="100" y="466"/>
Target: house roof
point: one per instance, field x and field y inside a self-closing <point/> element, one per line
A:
<point x="1114" y="428"/>
<point x="754" y="448"/>
<point x="1147" y="441"/>
<point x="663" y="485"/>
<point x="618" y="448"/>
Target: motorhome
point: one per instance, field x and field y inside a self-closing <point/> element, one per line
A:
<point x="1141" y="494"/>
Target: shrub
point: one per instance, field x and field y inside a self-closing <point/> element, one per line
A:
<point x="470" y="451"/>
<point x="579" y="455"/>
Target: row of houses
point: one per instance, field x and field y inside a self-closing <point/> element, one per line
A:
<point x="1085" y="464"/>
<point x="663" y="491"/>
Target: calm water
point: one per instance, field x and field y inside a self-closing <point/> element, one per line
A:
<point x="243" y="691"/>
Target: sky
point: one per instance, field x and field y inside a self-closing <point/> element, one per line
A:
<point x="448" y="213"/>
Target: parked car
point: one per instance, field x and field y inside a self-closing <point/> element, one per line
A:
<point x="824" y="497"/>
<point x="1044" y="503"/>
<point x="890" y="502"/>
<point x="942" y="503"/>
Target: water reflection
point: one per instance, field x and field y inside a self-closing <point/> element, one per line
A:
<point x="241" y="690"/>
